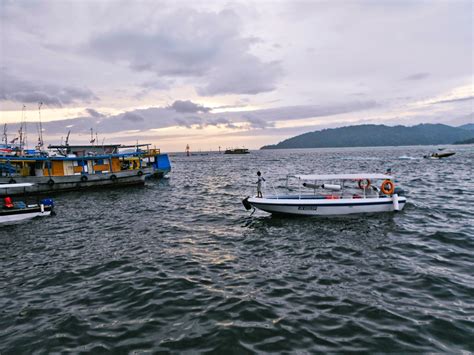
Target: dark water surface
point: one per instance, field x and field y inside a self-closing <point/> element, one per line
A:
<point x="180" y="266"/>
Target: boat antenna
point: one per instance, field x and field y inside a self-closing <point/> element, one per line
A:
<point x="22" y="130"/>
<point x="40" y="128"/>
<point x="92" y="137"/>
<point x="5" y="137"/>
<point x="67" y="138"/>
<point x="96" y="138"/>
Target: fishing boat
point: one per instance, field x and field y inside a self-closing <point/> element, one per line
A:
<point x="16" y="211"/>
<point x="237" y="151"/>
<point x="331" y="195"/>
<point x="76" y="167"/>
<point x="159" y="162"/>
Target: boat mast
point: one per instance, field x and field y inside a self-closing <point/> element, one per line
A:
<point x="67" y="138"/>
<point x="5" y="137"/>
<point x="22" y="130"/>
<point x="40" y="129"/>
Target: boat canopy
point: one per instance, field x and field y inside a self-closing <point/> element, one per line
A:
<point x="358" y="176"/>
<point x="10" y="186"/>
<point x="57" y="157"/>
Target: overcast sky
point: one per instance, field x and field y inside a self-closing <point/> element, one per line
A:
<point x="231" y="74"/>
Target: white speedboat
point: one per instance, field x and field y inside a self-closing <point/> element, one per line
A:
<point x="17" y="211"/>
<point x="439" y="155"/>
<point x="333" y="195"/>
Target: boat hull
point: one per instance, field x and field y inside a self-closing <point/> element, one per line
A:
<point x="335" y="207"/>
<point x="46" y="184"/>
<point x="18" y="215"/>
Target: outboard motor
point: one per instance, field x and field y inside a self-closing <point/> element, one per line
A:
<point x="396" y="205"/>
<point x="47" y="202"/>
<point x="399" y="191"/>
<point x="246" y="203"/>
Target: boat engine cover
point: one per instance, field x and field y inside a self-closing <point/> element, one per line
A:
<point x="47" y="202"/>
<point x="399" y="191"/>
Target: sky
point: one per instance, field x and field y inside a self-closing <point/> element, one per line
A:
<point x="231" y="74"/>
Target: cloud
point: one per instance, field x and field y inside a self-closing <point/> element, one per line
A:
<point x="133" y="117"/>
<point x="417" y="76"/>
<point x="190" y="121"/>
<point x="19" y="90"/>
<point x="257" y="122"/>
<point x="207" y="46"/>
<point x="188" y="107"/>
<point x="162" y="117"/>
<point x="461" y="99"/>
<point x="151" y="85"/>
<point x="93" y="113"/>
<point x="248" y="76"/>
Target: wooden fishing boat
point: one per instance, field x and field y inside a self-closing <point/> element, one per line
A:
<point x="82" y="167"/>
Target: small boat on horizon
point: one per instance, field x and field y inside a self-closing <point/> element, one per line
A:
<point x="237" y="151"/>
<point x="439" y="155"/>
<point x="333" y="195"/>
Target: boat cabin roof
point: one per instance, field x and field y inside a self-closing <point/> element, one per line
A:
<point x="9" y="186"/>
<point x="57" y="157"/>
<point x="358" y="176"/>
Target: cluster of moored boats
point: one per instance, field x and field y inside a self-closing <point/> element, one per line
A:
<point x="28" y="173"/>
<point x="67" y="167"/>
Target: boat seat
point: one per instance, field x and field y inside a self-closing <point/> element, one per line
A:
<point x="7" y="202"/>
<point x="19" y="205"/>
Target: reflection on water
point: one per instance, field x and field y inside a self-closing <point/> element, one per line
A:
<point x="179" y="265"/>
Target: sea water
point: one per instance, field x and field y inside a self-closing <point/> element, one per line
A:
<point x="179" y="265"/>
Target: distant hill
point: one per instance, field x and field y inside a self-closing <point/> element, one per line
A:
<point x="467" y="141"/>
<point x="376" y="135"/>
<point x="468" y="126"/>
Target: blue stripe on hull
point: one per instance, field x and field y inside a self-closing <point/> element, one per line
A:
<point x="327" y="205"/>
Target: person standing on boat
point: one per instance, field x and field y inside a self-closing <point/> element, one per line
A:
<point x="259" y="184"/>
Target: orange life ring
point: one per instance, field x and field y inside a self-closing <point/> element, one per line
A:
<point x="387" y="187"/>
<point x="362" y="186"/>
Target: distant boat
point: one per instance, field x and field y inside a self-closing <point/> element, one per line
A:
<point x="237" y="151"/>
<point x="439" y="155"/>
<point x="13" y="212"/>
<point x="344" y="194"/>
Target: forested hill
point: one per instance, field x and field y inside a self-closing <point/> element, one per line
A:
<point x="376" y="135"/>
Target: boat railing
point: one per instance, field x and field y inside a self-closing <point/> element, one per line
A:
<point x="274" y="190"/>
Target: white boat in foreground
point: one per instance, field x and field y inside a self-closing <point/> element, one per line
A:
<point x="333" y="195"/>
<point x="17" y="211"/>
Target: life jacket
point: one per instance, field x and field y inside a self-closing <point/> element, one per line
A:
<point x="7" y="202"/>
